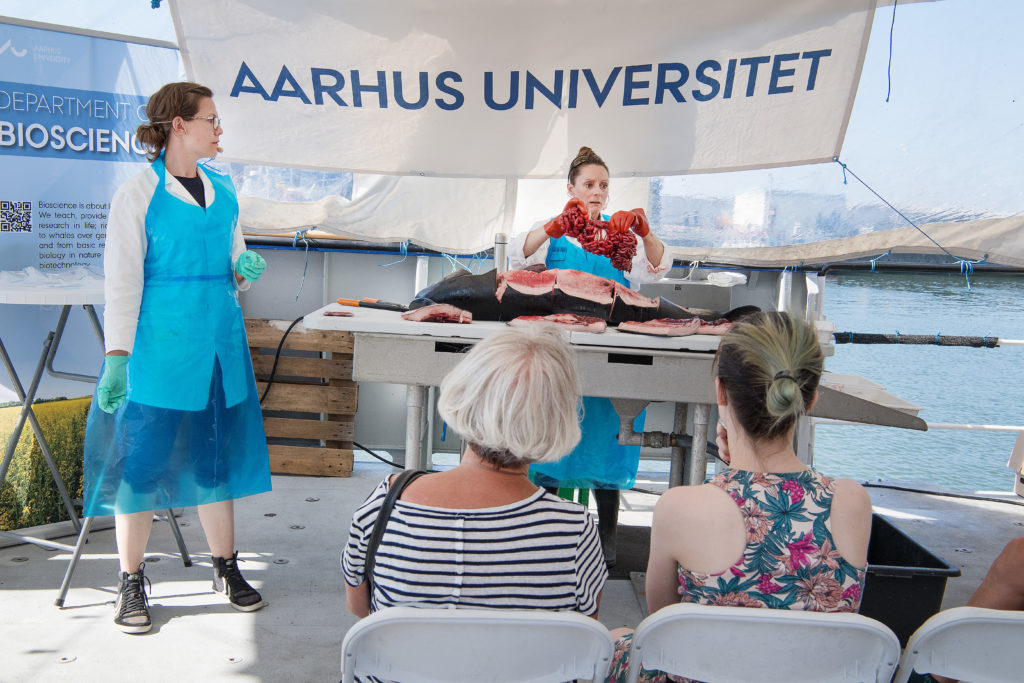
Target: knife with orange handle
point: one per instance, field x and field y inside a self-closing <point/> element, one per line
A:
<point x="374" y="303"/>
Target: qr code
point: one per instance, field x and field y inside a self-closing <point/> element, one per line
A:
<point x="15" y="216"/>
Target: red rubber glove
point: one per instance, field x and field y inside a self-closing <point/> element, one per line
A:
<point x="621" y="221"/>
<point x="554" y="228"/>
<point x="641" y="228"/>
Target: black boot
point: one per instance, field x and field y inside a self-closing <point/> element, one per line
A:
<point x="607" y="501"/>
<point x="131" y="611"/>
<point x="228" y="580"/>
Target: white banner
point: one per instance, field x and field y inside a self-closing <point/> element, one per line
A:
<point x="500" y="88"/>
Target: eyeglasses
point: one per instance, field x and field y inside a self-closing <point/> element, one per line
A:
<point x="214" y="120"/>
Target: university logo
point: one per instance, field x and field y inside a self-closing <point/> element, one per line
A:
<point x="14" y="51"/>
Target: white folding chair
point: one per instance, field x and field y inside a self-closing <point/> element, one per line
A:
<point x="968" y="643"/>
<point x="447" y="645"/>
<point x="741" y="644"/>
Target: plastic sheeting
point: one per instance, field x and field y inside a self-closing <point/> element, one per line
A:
<point x="454" y="215"/>
<point x="997" y="240"/>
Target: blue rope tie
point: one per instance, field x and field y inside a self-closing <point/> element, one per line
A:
<point x="453" y="261"/>
<point x="937" y="340"/>
<point x="842" y="166"/>
<point x="478" y="261"/>
<point x="405" y="254"/>
<point x="888" y="71"/>
<point x="897" y="336"/>
<point x="875" y="260"/>
<point x="301" y="235"/>
<point x="966" y="268"/>
<point x="475" y="266"/>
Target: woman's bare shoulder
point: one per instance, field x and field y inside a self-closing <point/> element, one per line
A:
<point x="850" y="520"/>
<point x="691" y="502"/>
<point x="853" y="495"/>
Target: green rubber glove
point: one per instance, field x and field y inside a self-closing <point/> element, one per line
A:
<point x="113" y="385"/>
<point x="250" y="265"/>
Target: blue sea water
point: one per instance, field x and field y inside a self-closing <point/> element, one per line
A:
<point x="951" y="384"/>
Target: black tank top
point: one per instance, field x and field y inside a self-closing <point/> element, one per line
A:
<point x="195" y="188"/>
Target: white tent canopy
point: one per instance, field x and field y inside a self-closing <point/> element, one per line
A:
<point x="939" y="146"/>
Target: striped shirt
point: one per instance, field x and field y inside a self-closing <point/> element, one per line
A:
<point x="538" y="553"/>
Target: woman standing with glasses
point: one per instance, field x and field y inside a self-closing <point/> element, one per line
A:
<point x="599" y="462"/>
<point x="176" y="419"/>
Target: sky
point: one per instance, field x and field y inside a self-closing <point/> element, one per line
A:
<point x="953" y="127"/>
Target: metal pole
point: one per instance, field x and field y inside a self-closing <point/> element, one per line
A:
<point x="75" y="556"/>
<point x="696" y="470"/>
<point x="422" y="273"/>
<point x="934" y="425"/>
<point x="415" y="398"/>
<point x="677" y="465"/>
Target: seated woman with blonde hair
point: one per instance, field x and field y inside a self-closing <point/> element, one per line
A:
<point x="481" y="534"/>
<point x="769" y="531"/>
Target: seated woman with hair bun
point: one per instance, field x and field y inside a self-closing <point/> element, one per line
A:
<point x="481" y="534"/>
<point x="769" y="531"/>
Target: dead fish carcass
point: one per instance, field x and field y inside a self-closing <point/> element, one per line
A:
<point x="515" y="293"/>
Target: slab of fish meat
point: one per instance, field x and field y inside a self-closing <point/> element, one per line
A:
<point x="663" y="327"/>
<point x="439" y="313"/>
<point x="668" y="327"/>
<point x="718" y="327"/>
<point x="569" y="321"/>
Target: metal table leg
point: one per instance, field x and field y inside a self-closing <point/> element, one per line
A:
<point x="697" y="461"/>
<point x="415" y="400"/>
<point x="680" y="454"/>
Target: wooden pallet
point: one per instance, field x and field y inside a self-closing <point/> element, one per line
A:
<point x="317" y="394"/>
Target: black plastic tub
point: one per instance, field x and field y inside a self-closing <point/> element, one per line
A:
<point x="905" y="580"/>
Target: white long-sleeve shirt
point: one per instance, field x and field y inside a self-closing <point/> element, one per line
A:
<point x="125" y="254"/>
<point x="641" y="272"/>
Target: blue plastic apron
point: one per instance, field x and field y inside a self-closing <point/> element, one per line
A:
<point x="598" y="461"/>
<point x="191" y="430"/>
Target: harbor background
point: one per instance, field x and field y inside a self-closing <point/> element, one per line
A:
<point x="950" y="384"/>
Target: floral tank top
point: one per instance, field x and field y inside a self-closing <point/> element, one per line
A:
<point x="790" y="561"/>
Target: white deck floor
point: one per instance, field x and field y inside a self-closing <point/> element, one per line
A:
<point x="291" y="540"/>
